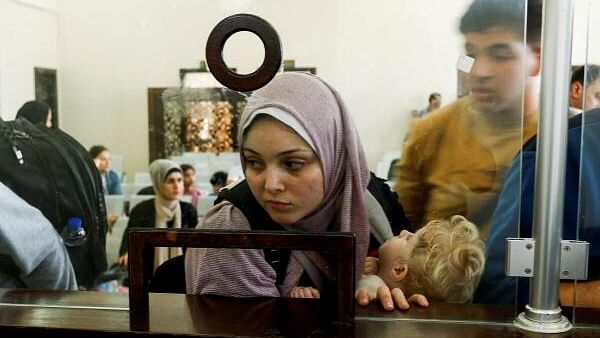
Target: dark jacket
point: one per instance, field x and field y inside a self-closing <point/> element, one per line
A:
<point x="581" y="212"/>
<point x="143" y="216"/>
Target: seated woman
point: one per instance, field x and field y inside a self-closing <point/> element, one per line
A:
<point x="165" y="210"/>
<point x="443" y="261"/>
<point x="111" y="182"/>
<point x="305" y="170"/>
<point x="189" y="183"/>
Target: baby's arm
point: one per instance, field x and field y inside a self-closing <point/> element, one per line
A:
<point x="371" y="266"/>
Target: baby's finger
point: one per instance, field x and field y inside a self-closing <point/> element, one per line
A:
<point x="385" y="298"/>
<point x="362" y="297"/>
<point x="400" y="299"/>
<point x="419" y="299"/>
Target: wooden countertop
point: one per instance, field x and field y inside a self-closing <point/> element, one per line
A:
<point x="32" y="313"/>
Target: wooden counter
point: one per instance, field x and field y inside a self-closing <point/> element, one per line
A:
<point x="95" y="314"/>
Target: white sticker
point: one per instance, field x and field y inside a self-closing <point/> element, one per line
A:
<point x="465" y="63"/>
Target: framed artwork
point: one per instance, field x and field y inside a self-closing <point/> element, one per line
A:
<point x="45" y="90"/>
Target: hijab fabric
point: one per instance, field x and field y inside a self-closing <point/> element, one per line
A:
<point x="166" y="210"/>
<point x="323" y="116"/>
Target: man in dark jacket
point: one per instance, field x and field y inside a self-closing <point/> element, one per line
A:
<point x="581" y="214"/>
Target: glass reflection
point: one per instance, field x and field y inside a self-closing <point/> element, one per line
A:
<point x="581" y="219"/>
<point x="454" y="160"/>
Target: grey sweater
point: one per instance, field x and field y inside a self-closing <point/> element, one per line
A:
<point x="31" y="251"/>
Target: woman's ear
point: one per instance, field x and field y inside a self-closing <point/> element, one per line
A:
<point x="399" y="272"/>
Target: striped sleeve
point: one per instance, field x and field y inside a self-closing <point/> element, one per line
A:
<point x="228" y="272"/>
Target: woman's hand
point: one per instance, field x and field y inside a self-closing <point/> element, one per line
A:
<point x="124" y="259"/>
<point x="371" y="265"/>
<point x="372" y="288"/>
<point x="305" y="292"/>
<point x="111" y="219"/>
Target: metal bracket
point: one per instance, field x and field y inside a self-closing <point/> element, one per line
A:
<point x="574" y="257"/>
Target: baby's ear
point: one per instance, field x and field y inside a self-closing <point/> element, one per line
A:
<point x="399" y="272"/>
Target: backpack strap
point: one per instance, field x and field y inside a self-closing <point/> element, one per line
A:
<point x="7" y="134"/>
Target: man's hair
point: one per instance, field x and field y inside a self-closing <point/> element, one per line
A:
<point x="96" y="150"/>
<point x="185" y="167"/>
<point x="591" y="73"/>
<point x="218" y="178"/>
<point x="447" y="261"/>
<point x="433" y="96"/>
<point x="485" y="14"/>
<point x="34" y="111"/>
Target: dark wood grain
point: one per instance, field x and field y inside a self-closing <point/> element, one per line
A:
<point x="143" y="241"/>
<point x="216" y="42"/>
<point x="210" y="316"/>
<point x="156" y="124"/>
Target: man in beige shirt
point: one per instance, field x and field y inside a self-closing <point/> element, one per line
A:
<point x="454" y="159"/>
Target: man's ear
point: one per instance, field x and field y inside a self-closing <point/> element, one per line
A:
<point x="399" y="272"/>
<point x="576" y="90"/>
<point x="535" y="59"/>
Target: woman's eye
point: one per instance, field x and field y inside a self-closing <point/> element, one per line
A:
<point x="294" y="165"/>
<point x="252" y="163"/>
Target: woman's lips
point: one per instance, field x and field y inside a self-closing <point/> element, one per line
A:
<point x="278" y="206"/>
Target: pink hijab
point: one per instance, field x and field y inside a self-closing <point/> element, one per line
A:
<point x="319" y="109"/>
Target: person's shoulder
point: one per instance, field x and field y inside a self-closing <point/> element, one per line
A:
<point x="186" y="207"/>
<point x="143" y="208"/>
<point x="225" y="216"/>
<point x="426" y="133"/>
<point x="437" y="120"/>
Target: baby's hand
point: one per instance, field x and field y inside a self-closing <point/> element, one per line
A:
<point x="372" y="288"/>
<point x="371" y="265"/>
<point x="305" y="292"/>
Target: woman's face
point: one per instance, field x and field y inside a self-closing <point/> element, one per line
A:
<point x="189" y="178"/>
<point x="282" y="171"/>
<point x="172" y="187"/>
<point x="102" y="161"/>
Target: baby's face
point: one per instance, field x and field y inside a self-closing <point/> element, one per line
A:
<point x="398" y="248"/>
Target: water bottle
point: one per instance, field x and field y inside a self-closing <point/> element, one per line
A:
<point x="73" y="234"/>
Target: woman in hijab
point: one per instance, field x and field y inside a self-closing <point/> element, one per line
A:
<point x="165" y="210"/>
<point x="36" y="112"/>
<point x="305" y="170"/>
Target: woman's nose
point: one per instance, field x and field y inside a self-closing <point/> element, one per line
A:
<point x="273" y="181"/>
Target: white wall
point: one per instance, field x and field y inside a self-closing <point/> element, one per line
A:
<point x="385" y="57"/>
<point x="28" y="39"/>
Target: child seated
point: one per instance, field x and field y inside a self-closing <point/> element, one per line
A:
<point x="443" y="261"/>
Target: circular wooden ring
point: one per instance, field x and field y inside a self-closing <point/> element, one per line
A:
<point x="214" y="52"/>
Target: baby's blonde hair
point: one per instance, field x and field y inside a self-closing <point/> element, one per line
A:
<point x="447" y="261"/>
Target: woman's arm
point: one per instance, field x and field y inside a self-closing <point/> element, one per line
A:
<point x="228" y="272"/>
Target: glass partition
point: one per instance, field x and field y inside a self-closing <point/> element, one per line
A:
<point x="584" y="166"/>
<point x="457" y="152"/>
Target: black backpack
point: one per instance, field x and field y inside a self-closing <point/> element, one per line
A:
<point x="54" y="173"/>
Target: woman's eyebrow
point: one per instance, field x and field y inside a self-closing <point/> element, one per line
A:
<point x="285" y="152"/>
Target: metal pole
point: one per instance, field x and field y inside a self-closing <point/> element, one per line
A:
<point x="543" y="314"/>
